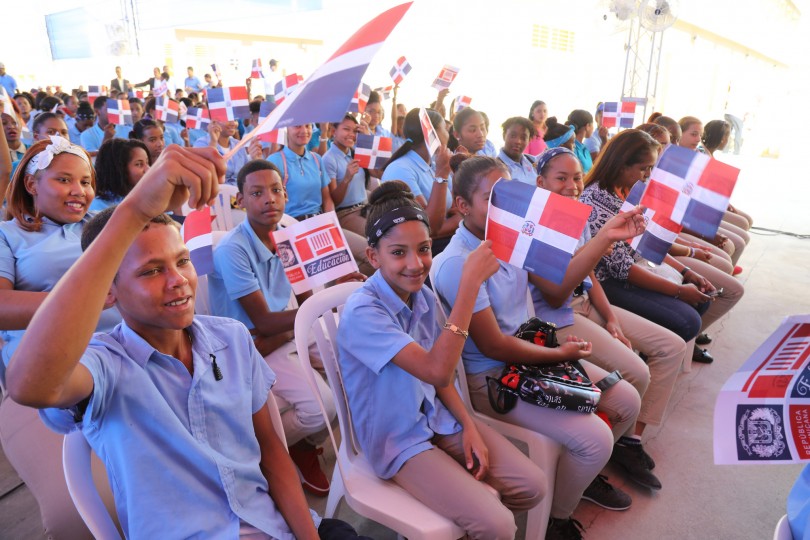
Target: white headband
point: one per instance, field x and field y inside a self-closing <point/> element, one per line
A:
<point x="58" y="145"/>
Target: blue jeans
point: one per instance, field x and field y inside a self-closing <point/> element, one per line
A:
<point x="661" y="309"/>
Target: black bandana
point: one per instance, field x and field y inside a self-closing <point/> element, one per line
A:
<point x="395" y="217"/>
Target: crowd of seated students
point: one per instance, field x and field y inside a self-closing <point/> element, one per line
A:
<point x="80" y="238"/>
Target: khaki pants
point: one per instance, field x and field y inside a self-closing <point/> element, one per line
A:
<point x="586" y="439"/>
<point x="439" y="479"/>
<point x="720" y="259"/>
<point x="664" y="349"/>
<point x="732" y="290"/>
<point x="350" y="219"/>
<point x="739" y="218"/>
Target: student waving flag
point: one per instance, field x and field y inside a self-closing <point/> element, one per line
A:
<point x="654" y="243"/>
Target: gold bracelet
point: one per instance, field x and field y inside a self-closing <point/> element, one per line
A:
<point x="456" y="330"/>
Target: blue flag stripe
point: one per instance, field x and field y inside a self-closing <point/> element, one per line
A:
<point x="653" y="248"/>
<point x="676" y="160"/>
<point x="513" y="197"/>
<point x="702" y="219"/>
<point x="551" y="262"/>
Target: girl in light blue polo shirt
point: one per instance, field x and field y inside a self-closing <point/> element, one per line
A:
<point x="221" y="137"/>
<point x="501" y="306"/>
<point x="347" y="180"/>
<point x="411" y="164"/>
<point x="398" y="364"/>
<point x="48" y="205"/>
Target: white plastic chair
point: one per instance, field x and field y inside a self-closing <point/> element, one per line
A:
<point x="783" y="531"/>
<point x="353" y="478"/>
<point x="543" y="451"/>
<point x="76" y="454"/>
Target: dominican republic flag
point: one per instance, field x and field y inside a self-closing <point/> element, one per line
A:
<point x="197" y="118"/>
<point x="325" y="96"/>
<point x="533" y="228"/>
<point x="621" y="114"/>
<point x="385" y="92"/>
<point x="93" y="92"/>
<point x="429" y="132"/>
<point x="256" y="70"/>
<point x="167" y="110"/>
<point x="286" y="86"/>
<point x="230" y="103"/>
<point x="198" y="238"/>
<point x="691" y="188"/>
<point x="278" y="136"/>
<point x="118" y="112"/>
<point x="373" y="152"/>
<point x="660" y="233"/>
<point x="401" y="68"/>
<point x="360" y="99"/>
<point x="462" y="102"/>
<point x="135" y="94"/>
<point x="445" y="77"/>
<point x="215" y="69"/>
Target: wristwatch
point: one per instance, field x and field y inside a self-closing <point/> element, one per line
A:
<point x="440" y="180"/>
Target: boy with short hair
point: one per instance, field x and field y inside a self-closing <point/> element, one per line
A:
<point x="249" y="284"/>
<point x="173" y="404"/>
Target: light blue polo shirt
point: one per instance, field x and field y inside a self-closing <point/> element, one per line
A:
<point x="564" y="315"/>
<point x="100" y="204"/>
<point x="488" y="149"/>
<point x="523" y="171"/>
<point x="396" y="142"/>
<point x="180" y="449"/>
<point x="74" y="134"/>
<point x="35" y="261"/>
<point x="304" y="178"/>
<point x="171" y="134"/>
<point x="233" y="165"/>
<point x="92" y="137"/>
<point x="504" y="292"/>
<point x="242" y="265"/>
<point x="335" y="162"/>
<point x="414" y="171"/>
<point x="395" y="414"/>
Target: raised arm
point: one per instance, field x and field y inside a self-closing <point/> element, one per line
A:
<point x="45" y="370"/>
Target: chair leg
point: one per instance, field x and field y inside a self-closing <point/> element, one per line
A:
<point x="336" y="493"/>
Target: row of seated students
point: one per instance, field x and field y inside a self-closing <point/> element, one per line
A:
<point x="417" y="213"/>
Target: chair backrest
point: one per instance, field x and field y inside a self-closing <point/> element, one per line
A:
<point x="316" y="315"/>
<point x="782" y="531"/>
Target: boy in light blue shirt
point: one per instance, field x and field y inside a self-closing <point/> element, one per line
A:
<point x="173" y="404"/>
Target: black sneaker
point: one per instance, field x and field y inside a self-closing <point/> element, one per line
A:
<point x="631" y="458"/>
<point x="564" y="529"/>
<point x="702" y="355"/>
<point x="601" y="493"/>
<point x="703" y="339"/>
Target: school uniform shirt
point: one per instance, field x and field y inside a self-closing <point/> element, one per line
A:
<point x="304" y="178"/>
<point x="179" y="448"/>
<point x="594" y="143"/>
<point x="35" y="261"/>
<point x="564" y="315"/>
<point x="243" y="265"/>
<point x="414" y="171"/>
<point x="604" y="205"/>
<point x="171" y="134"/>
<point x="798" y="506"/>
<point x="505" y="292"/>
<point x="16" y="154"/>
<point x="92" y="137"/>
<point x="488" y="150"/>
<point x="122" y="131"/>
<point x="523" y="171"/>
<point x="395" y="414"/>
<point x="584" y="156"/>
<point x="233" y="165"/>
<point x="100" y="203"/>
<point x="335" y="162"/>
<point x="74" y="134"/>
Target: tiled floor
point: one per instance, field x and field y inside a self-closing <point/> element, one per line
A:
<point x="699" y="500"/>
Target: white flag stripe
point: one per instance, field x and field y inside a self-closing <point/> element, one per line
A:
<point x="507" y="219"/>
<point x="672" y="181"/>
<point x="555" y="238"/>
<point x="680" y="208"/>
<point x="199" y="241"/>
<point x="710" y="198"/>
<point x="661" y="232"/>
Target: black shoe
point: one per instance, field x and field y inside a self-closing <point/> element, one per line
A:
<point x="702" y="355"/>
<point x="703" y="339"/>
<point x="564" y="529"/>
<point x="601" y="493"/>
<point x="631" y="458"/>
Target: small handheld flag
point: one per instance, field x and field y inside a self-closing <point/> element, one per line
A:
<point x="533" y="228"/>
<point x="167" y="110"/>
<point x="313" y="252"/>
<point x="660" y="233"/>
<point x="401" y="68"/>
<point x="691" y="189"/>
<point x="278" y="136"/>
<point x="135" y="94"/>
<point x="373" y="152"/>
<point x="360" y="98"/>
<point x="286" y="86"/>
<point x="226" y="104"/>
<point x="429" y="132"/>
<point x="445" y="77"/>
<point x="197" y="118"/>
<point x="256" y="69"/>
<point x="93" y="91"/>
<point x="462" y="102"/>
<point x="118" y="112"/>
<point x="385" y="92"/>
<point x="198" y="237"/>
<point x="621" y="114"/>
